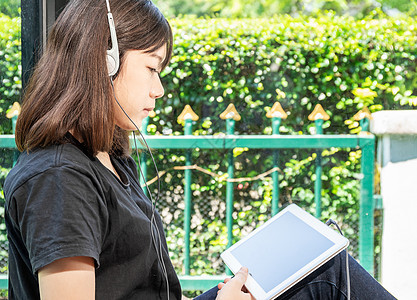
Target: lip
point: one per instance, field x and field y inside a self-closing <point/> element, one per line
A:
<point x="149" y="111"/>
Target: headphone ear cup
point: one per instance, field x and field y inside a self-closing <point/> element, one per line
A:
<point x="112" y="54"/>
<point x="111" y="65"/>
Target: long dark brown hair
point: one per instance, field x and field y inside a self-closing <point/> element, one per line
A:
<point x="70" y="88"/>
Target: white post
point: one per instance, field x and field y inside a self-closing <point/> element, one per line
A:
<point x="397" y="155"/>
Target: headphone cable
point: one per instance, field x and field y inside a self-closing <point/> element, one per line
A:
<point x="328" y="223"/>
<point x="158" y="246"/>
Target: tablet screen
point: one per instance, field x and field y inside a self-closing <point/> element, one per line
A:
<point x="272" y="261"/>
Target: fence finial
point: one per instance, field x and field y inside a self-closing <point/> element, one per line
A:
<point x="276" y="112"/>
<point x="187" y="114"/>
<point x="230" y="113"/>
<point x="14" y="111"/>
<point x="362" y="114"/>
<point x="318" y="114"/>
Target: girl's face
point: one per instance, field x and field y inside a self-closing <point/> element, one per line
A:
<point x="138" y="86"/>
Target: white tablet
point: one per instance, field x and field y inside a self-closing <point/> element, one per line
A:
<point x="283" y="251"/>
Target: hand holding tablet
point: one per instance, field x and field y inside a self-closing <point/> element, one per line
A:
<point x="283" y="251"/>
<point x="228" y="291"/>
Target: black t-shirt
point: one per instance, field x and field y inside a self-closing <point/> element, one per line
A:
<point x="62" y="203"/>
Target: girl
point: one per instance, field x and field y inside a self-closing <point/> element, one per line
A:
<point x="79" y="224"/>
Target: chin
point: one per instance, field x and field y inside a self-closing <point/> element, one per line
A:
<point x="126" y="124"/>
<point x="129" y="126"/>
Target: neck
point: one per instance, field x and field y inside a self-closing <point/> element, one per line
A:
<point x="104" y="158"/>
<point x="75" y="135"/>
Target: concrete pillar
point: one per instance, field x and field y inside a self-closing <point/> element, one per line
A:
<point x="31" y="36"/>
<point x="397" y="154"/>
<point x="37" y="17"/>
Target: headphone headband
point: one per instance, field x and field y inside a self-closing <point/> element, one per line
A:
<point x="112" y="54"/>
<point x="108" y="6"/>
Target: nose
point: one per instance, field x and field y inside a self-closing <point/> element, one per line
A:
<point x="157" y="90"/>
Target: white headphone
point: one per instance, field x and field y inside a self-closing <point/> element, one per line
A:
<point x="113" y="64"/>
<point x="112" y="54"/>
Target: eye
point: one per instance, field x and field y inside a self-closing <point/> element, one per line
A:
<point x="153" y="70"/>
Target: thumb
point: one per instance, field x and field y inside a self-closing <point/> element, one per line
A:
<point x="241" y="276"/>
<point x="233" y="288"/>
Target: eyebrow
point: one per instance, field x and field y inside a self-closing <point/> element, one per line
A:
<point x="157" y="57"/>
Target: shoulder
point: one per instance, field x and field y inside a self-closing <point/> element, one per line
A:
<point x="44" y="160"/>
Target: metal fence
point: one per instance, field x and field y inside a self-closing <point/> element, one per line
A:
<point x="276" y="143"/>
<point x="230" y="141"/>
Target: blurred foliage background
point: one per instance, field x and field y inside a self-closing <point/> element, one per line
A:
<point x="342" y="54"/>
<point x="268" y="8"/>
<point x="10" y="7"/>
<point x="338" y="61"/>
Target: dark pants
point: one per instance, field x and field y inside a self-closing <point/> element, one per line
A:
<point x="329" y="282"/>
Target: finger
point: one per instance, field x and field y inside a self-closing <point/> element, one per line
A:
<point x="227" y="280"/>
<point x="246" y="296"/>
<point x="240" y="277"/>
<point x="220" y="285"/>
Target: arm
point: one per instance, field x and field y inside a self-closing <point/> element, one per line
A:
<point x="68" y="278"/>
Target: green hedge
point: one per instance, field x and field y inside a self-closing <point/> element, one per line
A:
<point x="312" y="59"/>
<point x="10" y="67"/>
<point x="10" y="89"/>
<point x="339" y="62"/>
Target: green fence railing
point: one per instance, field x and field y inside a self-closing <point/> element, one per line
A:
<point x="319" y="141"/>
<point x="229" y="141"/>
